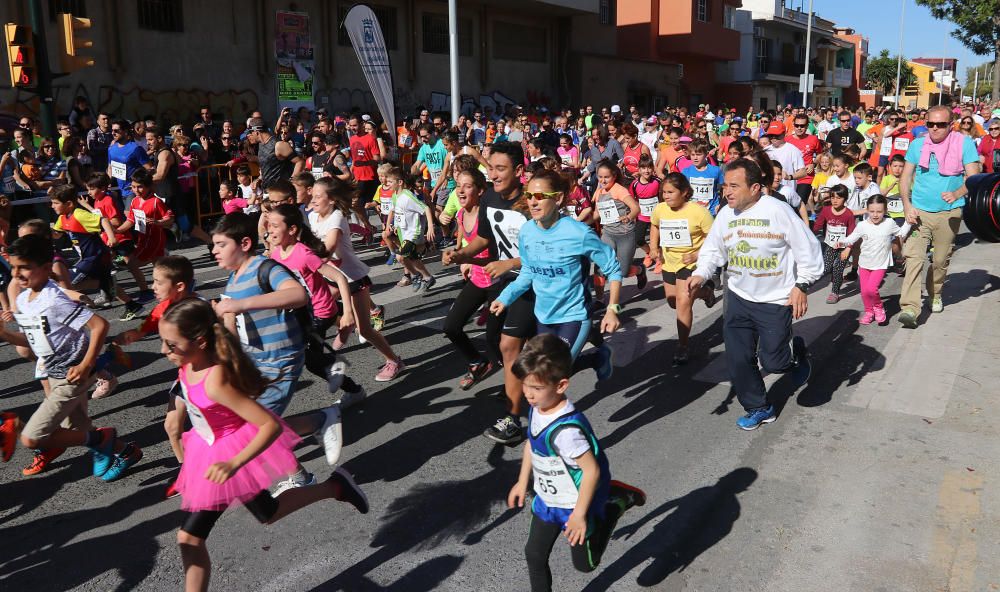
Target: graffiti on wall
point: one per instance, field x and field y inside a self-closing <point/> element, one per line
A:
<point x="135" y="103"/>
<point x="497" y="101"/>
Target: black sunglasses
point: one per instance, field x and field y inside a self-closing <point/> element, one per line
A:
<point x="994" y="129"/>
<point x="937" y="124"/>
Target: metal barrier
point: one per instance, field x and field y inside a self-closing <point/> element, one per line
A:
<point x="206" y="191"/>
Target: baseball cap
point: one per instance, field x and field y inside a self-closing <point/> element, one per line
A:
<point x="685" y="139"/>
<point x="776" y="128"/>
<point x="651" y="119"/>
<point x="616" y="109"/>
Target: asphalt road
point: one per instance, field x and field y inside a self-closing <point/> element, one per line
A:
<point x="878" y="475"/>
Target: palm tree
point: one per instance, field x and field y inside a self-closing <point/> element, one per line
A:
<point x="881" y="73"/>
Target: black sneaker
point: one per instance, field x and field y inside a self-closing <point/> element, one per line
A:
<point x="132" y="310"/>
<point x="507" y="430"/>
<point x="632" y="495"/>
<point x="803" y="366"/>
<point x="641" y="278"/>
<point x="349" y="490"/>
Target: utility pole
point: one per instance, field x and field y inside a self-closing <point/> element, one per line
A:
<point x="809" y="30"/>
<point x="44" y="89"/>
<point x="944" y="52"/>
<point x="975" y="86"/>
<point x="456" y="95"/>
<point x="899" y="57"/>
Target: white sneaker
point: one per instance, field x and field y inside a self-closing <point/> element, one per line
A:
<point x="300" y="479"/>
<point x="106" y="384"/>
<point x="348" y="400"/>
<point x="331" y="434"/>
<point x="335" y="376"/>
<point x="937" y="305"/>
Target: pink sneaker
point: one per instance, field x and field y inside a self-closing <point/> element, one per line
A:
<point x="879" y="315"/>
<point x="867" y="318"/>
<point x="391" y="370"/>
<point x="341" y="339"/>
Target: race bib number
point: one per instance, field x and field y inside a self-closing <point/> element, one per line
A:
<point x="647" y="204"/>
<point x="197" y="417"/>
<point x="506" y="226"/>
<point x="385" y="206"/>
<point x="702" y="189"/>
<point x="835" y="234"/>
<point x="675" y="233"/>
<point x="399" y="222"/>
<point x="435" y="175"/>
<point x="553" y="482"/>
<point x="118" y="171"/>
<point x="35" y="329"/>
<point x="241" y="325"/>
<point x="140" y="221"/>
<point x="886" y="147"/>
<point x="609" y="212"/>
<point x="901" y="144"/>
<point x="895" y="206"/>
<point x="317" y="173"/>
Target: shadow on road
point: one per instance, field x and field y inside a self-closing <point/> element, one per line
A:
<point x="698" y="522"/>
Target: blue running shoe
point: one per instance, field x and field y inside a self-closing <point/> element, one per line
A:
<point x="751" y="421"/>
<point x="605" y="362"/>
<point x="104" y="452"/>
<point x="803" y="366"/>
<point x="130" y="455"/>
<point x="391" y="260"/>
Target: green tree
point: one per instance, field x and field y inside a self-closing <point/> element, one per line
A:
<point x="881" y="74"/>
<point x="978" y="23"/>
<point x="981" y="89"/>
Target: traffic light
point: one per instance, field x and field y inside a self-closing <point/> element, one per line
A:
<point x="20" y="55"/>
<point x="69" y="43"/>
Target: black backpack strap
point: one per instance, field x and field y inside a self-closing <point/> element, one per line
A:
<point x="264" y="274"/>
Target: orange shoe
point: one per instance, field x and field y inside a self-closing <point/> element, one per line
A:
<point x="647" y="261"/>
<point x="42" y="460"/>
<point x="9" y="430"/>
<point x="658" y="269"/>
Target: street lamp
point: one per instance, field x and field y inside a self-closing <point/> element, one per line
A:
<point x="899" y="57"/>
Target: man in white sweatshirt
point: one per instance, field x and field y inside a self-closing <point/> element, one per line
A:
<point x="772" y="259"/>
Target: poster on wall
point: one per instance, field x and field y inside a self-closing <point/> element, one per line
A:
<point x="295" y="67"/>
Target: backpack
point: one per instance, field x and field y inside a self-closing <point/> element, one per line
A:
<point x="319" y="356"/>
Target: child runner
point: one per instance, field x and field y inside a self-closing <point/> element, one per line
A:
<point x="382" y="201"/>
<point x="66" y="338"/>
<point x="471" y="185"/>
<point x="173" y="277"/>
<point x="552" y="249"/>
<point x="617" y="211"/>
<point x="412" y="234"/>
<point x="890" y="188"/>
<point x="566" y="466"/>
<point x="646" y="191"/>
<point x="230" y="196"/>
<point x="148" y="215"/>
<point x="836" y="222"/>
<point x="841" y="173"/>
<point x="236" y="448"/>
<point x="678" y="228"/>
<point x="824" y="168"/>
<point x="864" y="188"/>
<point x="876" y="255"/>
<point x="705" y="178"/>
<point x="331" y="209"/>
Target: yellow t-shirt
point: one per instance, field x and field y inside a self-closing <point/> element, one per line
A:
<point x="889" y="185"/>
<point x="681" y="232"/>
<point x="820" y="179"/>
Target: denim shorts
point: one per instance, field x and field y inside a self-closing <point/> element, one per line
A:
<point x="278" y="393"/>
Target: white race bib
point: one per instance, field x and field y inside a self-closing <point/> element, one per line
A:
<point x="553" y="483"/>
<point x="241" y="325"/>
<point x="399" y="221"/>
<point x="675" y="233"/>
<point x="895" y="206"/>
<point x="197" y="417"/>
<point x="901" y="144"/>
<point x="886" y="147"/>
<point x="140" y="221"/>
<point x="647" y="204"/>
<point x="609" y="212"/>
<point x="702" y="189"/>
<point x="33" y="328"/>
<point x="317" y="173"/>
<point x="118" y="171"/>
<point x="835" y="234"/>
<point x="385" y="206"/>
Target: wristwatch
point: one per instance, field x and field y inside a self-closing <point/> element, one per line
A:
<point x="803" y="286"/>
<point x="615" y="308"/>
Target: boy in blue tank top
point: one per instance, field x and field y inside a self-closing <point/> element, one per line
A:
<point x="565" y="466"/>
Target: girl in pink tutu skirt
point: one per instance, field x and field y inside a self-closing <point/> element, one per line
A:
<point x="236" y="449"/>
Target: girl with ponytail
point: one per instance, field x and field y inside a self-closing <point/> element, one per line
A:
<point x="236" y="449"/>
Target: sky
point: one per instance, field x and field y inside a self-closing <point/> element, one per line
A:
<point x="923" y="35"/>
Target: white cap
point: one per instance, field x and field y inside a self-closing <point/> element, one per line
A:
<point x="616" y="109"/>
<point x="366" y="117"/>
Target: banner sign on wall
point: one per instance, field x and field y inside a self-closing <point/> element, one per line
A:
<point x="295" y="66"/>
<point x="366" y="36"/>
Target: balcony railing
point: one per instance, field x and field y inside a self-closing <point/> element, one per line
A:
<point x="763" y="66"/>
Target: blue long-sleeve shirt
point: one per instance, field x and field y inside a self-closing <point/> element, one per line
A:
<point x="551" y="265"/>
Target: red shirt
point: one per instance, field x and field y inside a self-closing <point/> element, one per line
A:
<point x="827" y="218"/>
<point x="364" y="147"/>
<point x="152" y="322"/>
<point x="810" y="147"/>
<point x="106" y="206"/>
<point x="986" y="147"/>
<point x="151" y="241"/>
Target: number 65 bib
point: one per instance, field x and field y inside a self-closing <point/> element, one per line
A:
<point x="553" y="482"/>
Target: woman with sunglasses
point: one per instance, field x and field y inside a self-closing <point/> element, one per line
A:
<point x="989" y="146"/>
<point x="968" y="127"/>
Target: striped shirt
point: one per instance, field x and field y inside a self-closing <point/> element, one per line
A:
<point x="59" y="327"/>
<point x="271" y="337"/>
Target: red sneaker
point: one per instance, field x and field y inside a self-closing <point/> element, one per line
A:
<point x="9" y="430"/>
<point x="171" y="490"/>
<point x="42" y="460"/>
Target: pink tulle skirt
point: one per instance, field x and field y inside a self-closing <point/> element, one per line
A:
<point x="274" y="463"/>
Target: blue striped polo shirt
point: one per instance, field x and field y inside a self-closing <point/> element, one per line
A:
<point x="273" y="337"/>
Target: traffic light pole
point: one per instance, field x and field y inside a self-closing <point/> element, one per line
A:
<point x="44" y="89"/>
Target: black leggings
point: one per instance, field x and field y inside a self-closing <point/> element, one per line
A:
<point x="833" y="265"/>
<point x="200" y="523"/>
<point x="468" y="301"/>
<point x="543" y="535"/>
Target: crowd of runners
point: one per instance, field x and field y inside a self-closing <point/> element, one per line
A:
<point x="544" y="214"/>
